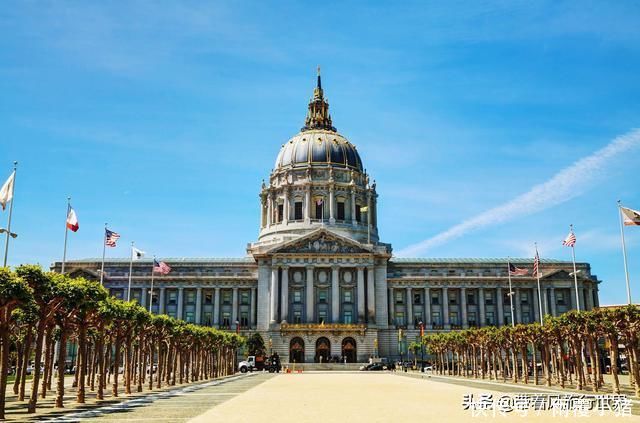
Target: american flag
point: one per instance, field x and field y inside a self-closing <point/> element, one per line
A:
<point x="570" y="240"/>
<point x="536" y="266"/>
<point x="110" y="238"/>
<point x="161" y="267"/>
<point x="516" y="271"/>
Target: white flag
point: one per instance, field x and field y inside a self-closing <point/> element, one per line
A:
<point x="6" y="193"/>
<point x="137" y="254"/>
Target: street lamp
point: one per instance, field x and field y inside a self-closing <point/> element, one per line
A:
<point x="12" y="234"/>
<point x="421" y="323"/>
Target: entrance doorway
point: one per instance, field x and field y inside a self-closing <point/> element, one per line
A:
<point x="349" y="350"/>
<point x="323" y="350"/>
<point x="296" y="350"/>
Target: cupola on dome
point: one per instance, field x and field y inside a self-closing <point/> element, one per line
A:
<point x="318" y="143"/>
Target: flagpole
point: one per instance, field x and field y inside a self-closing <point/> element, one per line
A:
<point x="130" y="270"/>
<point x="575" y="273"/>
<point x="624" y="254"/>
<point x="539" y="291"/>
<point x="104" y="250"/>
<point x="13" y="190"/>
<point x="151" y="291"/>
<point x="513" y="321"/>
<point x="66" y="235"/>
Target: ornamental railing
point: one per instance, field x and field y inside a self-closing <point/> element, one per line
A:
<point x="323" y="327"/>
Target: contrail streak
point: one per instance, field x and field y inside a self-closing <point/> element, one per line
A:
<point x="570" y="182"/>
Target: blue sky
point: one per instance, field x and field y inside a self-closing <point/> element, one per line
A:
<point x="163" y="118"/>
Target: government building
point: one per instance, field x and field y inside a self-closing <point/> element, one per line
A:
<point x="320" y="285"/>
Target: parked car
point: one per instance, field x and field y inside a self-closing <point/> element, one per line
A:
<point x="376" y="367"/>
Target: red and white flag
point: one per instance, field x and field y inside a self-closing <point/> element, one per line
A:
<point x="161" y="267"/>
<point x="570" y="240"/>
<point x="630" y="217"/>
<point x="536" y="265"/>
<point x="72" y="220"/>
<point x="517" y="271"/>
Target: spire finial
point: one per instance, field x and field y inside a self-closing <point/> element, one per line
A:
<point x="318" y="115"/>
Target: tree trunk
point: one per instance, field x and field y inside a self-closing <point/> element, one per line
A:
<point x="62" y="352"/>
<point x="116" y="367"/>
<point x="4" y="365"/>
<point x="82" y="361"/>
<point x="19" y="359"/>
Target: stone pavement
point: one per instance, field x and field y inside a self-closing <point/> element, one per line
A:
<point x="362" y="397"/>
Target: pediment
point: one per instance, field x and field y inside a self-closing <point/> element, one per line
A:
<point x="322" y="241"/>
<point x="84" y="273"/>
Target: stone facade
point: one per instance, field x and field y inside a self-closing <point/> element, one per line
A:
<point x="318" y="283"/>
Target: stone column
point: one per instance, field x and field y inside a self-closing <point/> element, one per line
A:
<point x="409" y="310"/>
<point x="216" y="306"/>
<point x="554" y="312"/>
<point x="427" y="308"/>
<point x="180" y="302"/>
<point x="392" y="308"/>
<point x="371" y="297"/>
<point x="361" y="302"/>
<point x="143" y="297"/>
<point x="369" y="211"/>
<point x="234" y="310"/>
<point x="545" y="301"/>
<point x="517" y="305"/>
<point x="310" y="314"/>
<point x="481" y="307"/>
<point x="273" y="295"/>
<point x="252" y="314"/>
<point x="500" y="306"/>
<point x="463" y="305"/>
<point x="198" y="306"/>
<point x="285" y="206"/>
<point x="536" y="306"/>
<point x="353" y="207"/>
<point x="161" y="301"/>
<point x="307" y="206"/>
<point x="589" y="298"/>
<point x="284" y="297"/>
<point x="445" y="308"/>
<point x="269" y="210"/>
<point x="335" y="294"/>
<point x="572" y="297"/>
<point x="332" y="218"/>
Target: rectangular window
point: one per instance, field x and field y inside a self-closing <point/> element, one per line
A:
<point x="526" y="317"/>
<point x="560" y="298"/>
<point x="348" y="296"/>
<point x="118" y="293"/>
<point x="322" y="316"/>
<point x="399" y="297"/>
<point x="297" y="296"/>
<point x="507" y="319"/>
<point x="319" y="210"/>
<point x="173" y="298"/>
<point x="524" y="298"/>
<point x="226" y="319"/>
<point x="453" y="298"/>
<point x="488" y="299"/>
<point x="453" y="318"/>
<point x="435" y="318"/>
<point x="435" y="298"/>
<point x="190" y="297"/>
<point x="244" y="298"/>
<point x="340" y="215"/>
<point x="244" y="319"/>
<point x="226" y="297"/>
<point x="322" y="296"/>
<point x="471" y="319"/>
<point x="208" y="298"/>
<point x="417" y="318"/>
<point x="506" y="299"/>
<point x="280" y="213"/>
<point x="488" y="318"/>
<point x="358" y="214"/>
<point x="190" y="317"/>
<point x="297" y="316"/>
<point x="400" y="318"/>
<point x="348" y="317"/>
<point x="154" y="299"/>
<point x="417" y="298"/>
<point x="297" y="210"/>
<point x="471" y="298"/>
<point x="136" y="294"/>
<point x="207" y="318"/>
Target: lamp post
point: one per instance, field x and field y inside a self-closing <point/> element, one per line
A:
<point x="421" y="346"/>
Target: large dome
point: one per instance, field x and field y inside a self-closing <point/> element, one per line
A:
<point x="319" y="147"/>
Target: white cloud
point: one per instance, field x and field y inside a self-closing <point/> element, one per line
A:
<point x="569" y="183"/>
